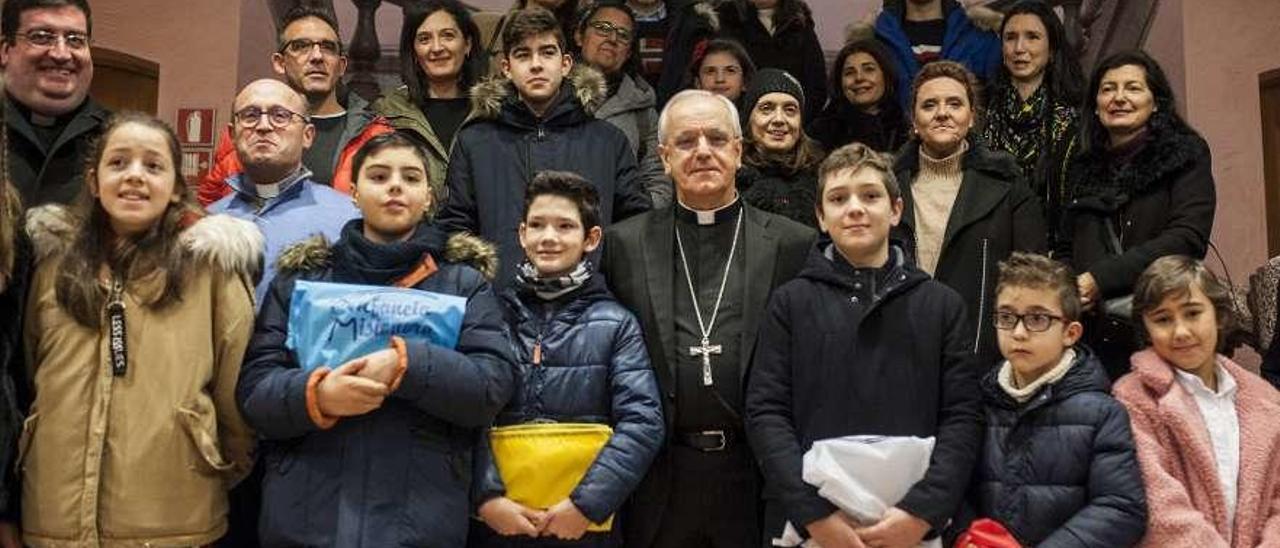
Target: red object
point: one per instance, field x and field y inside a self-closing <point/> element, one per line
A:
<point x="987" y="533"/>
<point x="195" y="127"/>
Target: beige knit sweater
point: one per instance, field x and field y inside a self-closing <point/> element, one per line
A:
<point x="933" y="193"/>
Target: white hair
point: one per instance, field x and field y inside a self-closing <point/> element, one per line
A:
<point x="690" y="94"/>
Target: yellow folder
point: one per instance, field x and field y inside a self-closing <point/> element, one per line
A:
<point x="542" y="463"/>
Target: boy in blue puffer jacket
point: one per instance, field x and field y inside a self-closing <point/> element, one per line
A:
<point x="582" y="359"/>
<point x="1058" y="465"/>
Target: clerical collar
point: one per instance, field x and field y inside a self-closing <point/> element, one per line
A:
<point x="279" y="187"/>
<point x="43" y="121"/>
<point x="705" y="217"/>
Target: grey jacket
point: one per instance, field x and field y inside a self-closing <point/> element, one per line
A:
<point x="631" y="109"/>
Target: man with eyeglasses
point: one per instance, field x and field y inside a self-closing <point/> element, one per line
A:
<point x="607" y="41"/>
<point x="51" y="120"/>
<point x="310" y="58"/>
<point x="275" y="190"/>
<point x="698" y="276"/>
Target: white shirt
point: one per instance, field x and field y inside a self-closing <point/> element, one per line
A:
<point x="1223" y="421"/>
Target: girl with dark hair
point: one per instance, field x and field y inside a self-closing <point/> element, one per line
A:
<point x="967" y="207"/>
<point x="138" y="316"/>
<point x="1141" y="188"/>
<point x="723" y="67"/>
<point x="1034" y="112"/>
<point x="441" y="57"/>
<point x="780" y="34"/>
<point x="862" y="105"/>
<point x="780" y="162"/>
<point x="369" y="422"/>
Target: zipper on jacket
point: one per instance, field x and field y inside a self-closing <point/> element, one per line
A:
<point x="982" y="299"/>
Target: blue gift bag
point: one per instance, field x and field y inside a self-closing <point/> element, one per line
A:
<point x="332" y="323"/>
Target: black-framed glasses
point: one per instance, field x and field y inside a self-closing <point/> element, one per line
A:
<point x="277" y="116"/>
<point x="1035" y="322"/>
<point x="303" y="46"/>
<point x="45" y="38"/>
<point x="604" y="29"/>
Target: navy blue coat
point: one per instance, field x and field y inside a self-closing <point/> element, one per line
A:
<point x="594" y="369"/>
<point x="1060" y="469"/>
<point x="401" y="474"/>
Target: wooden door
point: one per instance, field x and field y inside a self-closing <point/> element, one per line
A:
<point x="1269" y="93"/>
<point x="124" y="82"/>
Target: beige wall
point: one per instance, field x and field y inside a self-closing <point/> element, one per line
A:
<point x="205" y="48"/>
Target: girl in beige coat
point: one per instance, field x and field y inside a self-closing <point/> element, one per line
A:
<point x="138" y="317"/>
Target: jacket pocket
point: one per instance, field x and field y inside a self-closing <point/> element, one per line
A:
<point x="201" y="427"/>
<point x="24" y="442"/>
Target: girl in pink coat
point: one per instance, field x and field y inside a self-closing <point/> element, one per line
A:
<point x="1205" y="428"/>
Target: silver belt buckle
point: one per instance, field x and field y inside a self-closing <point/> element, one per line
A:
<point x="716" y="433"/>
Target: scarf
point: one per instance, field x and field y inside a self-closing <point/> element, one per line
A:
<point x="372" y="263"/>
<point x="1027" y="129"/>
<point x="550" y="288"/>
<point x="1024" y="393"/>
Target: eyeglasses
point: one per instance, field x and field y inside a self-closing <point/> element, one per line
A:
<point x="604" y="29"/>
<point x="1035" y="322"/>
<point x="303" y="46"/>
<point x="277" y="116"/>
<point x="43" y="38"/>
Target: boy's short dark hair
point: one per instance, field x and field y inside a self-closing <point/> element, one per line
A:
<point x="1034" y="271"/>
<point x="566" y="185"/>
<point x="11" y="16"/>
<point x="530" y="22"/>
<point x="854" y="157"/>
<point x="1173" y="276"/>
<point x="396" y="139"/>
<point x="302" y="12"/>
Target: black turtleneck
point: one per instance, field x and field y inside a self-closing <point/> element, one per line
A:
<point x="707" y="238"/>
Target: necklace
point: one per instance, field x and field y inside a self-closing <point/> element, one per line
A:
<point x="706" y="349"/>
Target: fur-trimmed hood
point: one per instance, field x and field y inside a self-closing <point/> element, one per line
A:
<point x="316" y="253"/>
<point x="220" y="241"/>
<point x="586" y="85"/>
<point x="981" y="17"/>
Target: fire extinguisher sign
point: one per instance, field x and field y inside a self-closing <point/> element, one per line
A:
<point x="195" y="127"/>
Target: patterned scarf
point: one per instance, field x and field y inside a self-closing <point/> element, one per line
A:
<point x="529" y="279"/>
<point x="1027" y="129"/>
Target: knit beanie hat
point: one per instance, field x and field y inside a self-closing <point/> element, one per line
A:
<point x="768" y="81"/>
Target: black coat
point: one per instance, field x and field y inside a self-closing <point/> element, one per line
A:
<point x="1161" y="202"/>
<point x="994" y="215"/>
<point x="793" y="47"/>
<point x="498" y="152"/>
<point x="780" y="191"/>
<point x="56" y="173"/>
<point x="841" y="123"/>
<point x="640" y="266"/>
<point x="872" y="351"/>
<point x="399" y="475"/>
<point x="1060" y="470"/>
<point x="14" y="392"/>
<point x="594" y="369"/>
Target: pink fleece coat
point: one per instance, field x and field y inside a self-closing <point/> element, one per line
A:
<point x="1183" y="494"/>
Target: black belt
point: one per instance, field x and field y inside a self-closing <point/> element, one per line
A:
<point x="707" y="441"/>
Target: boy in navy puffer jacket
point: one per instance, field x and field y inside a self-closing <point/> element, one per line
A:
<point x="582" y="359"/>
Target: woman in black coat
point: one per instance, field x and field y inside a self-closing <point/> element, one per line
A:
<point x="789" y="43"/>
<point x="1142" y="188"/>
<point x="779" y="172"/>
<point x="862" y="105"/>
<point x="15" y="273"/>
<point x="967" y="207"/>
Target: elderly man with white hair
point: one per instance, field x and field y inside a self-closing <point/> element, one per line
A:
<point x="698" y="274"/>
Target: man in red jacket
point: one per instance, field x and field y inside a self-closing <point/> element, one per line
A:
<point x="310" y="58"/>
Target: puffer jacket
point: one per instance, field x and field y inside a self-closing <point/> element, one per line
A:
<point x="594" y="369"/>
<point x="398" y="475"/>
<point x="146" y="458"/>
<point x="402" y="114"/>
<point x="361" y="125"/>
<point x="995" y="214"/>
<point x="631" y="109"/>
<point x="1060" y="470"/>
<point x="504" y="144"/>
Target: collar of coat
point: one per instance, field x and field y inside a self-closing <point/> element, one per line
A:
<point x="316" y="253"/>
<point x="1167" y="152"/>
<point x="221" y="241"/>
<point x="587" y="85"/>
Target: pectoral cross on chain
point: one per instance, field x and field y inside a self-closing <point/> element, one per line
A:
<point x="706" y="349"/>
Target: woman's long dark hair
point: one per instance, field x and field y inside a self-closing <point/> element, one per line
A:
<point x="10" y="211"/>
<point x="888" y="67"/>
<point x="156" y="252"/>
<point x="474" y="67"/>
<point x="1062" y="75"/>
<point x="1165" y="116"/>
